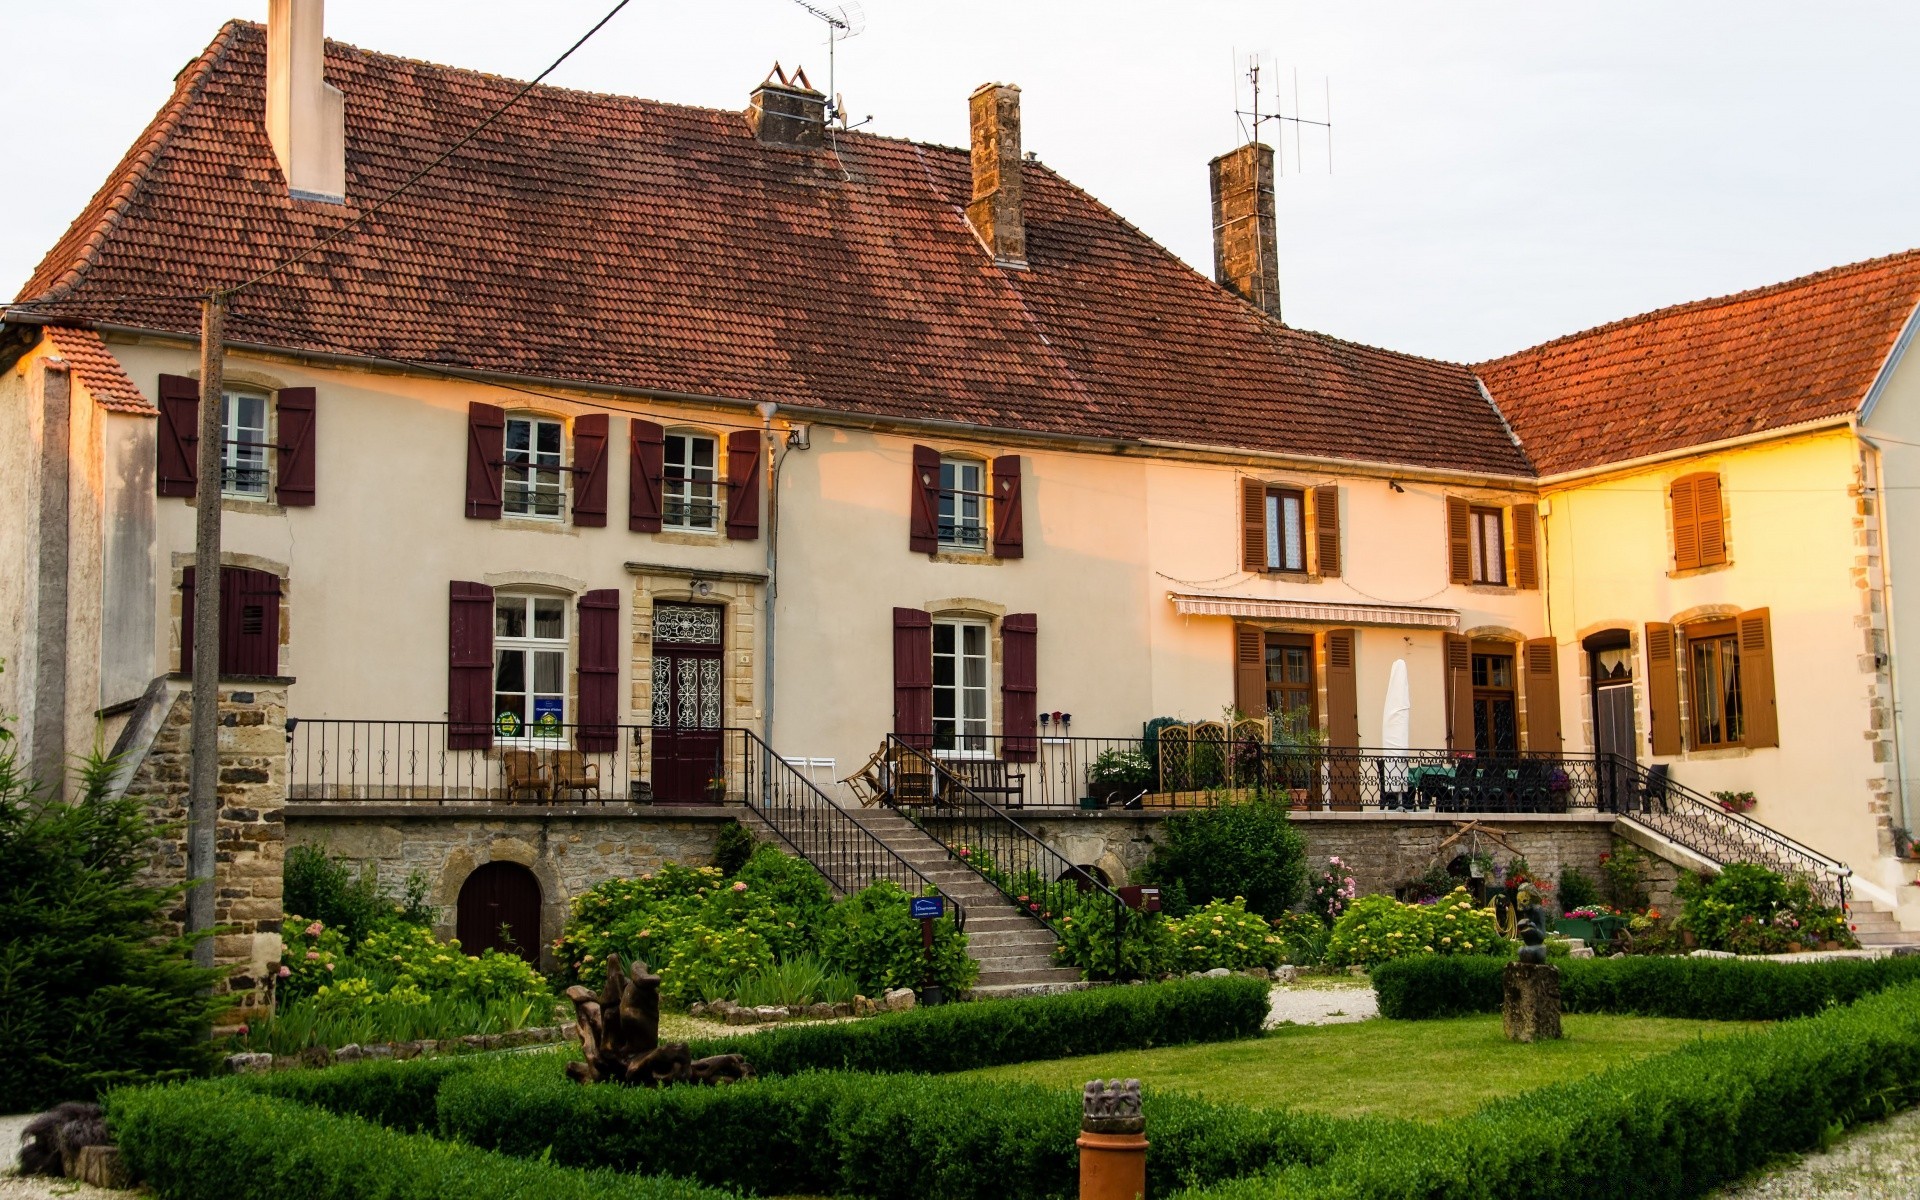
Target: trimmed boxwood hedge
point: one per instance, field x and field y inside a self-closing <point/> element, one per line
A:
<point x="1714" y="989"/>
<point x="960" y="1037"/>
<point x="398" y="1095"/>
<point x="214" y="1141"/>
<point x="912" y="1137"/>
<point x="1677" y="1125"/>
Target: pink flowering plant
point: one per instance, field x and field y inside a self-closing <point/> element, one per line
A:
<point x="1331" y="890"/>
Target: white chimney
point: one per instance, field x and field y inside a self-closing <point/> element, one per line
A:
<point x="306" y="116"/>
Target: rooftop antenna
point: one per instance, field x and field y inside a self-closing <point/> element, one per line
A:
<point x="1252" y="119"/>
<point x="843" y="21"/>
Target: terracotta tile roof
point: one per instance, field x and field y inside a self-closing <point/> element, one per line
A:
<point x="610" y="240"/>
<point x="1765" y="359"/>
<point x="99" y="370"/>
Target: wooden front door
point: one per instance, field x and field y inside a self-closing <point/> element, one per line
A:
<point x="1613" y="724"/>
<point x="687" y="701"/>
<point x="499" y="909"/>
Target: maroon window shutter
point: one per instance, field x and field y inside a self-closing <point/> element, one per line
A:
<point x="179" y="431"/>
<point x="469" y="666"/>
<point x="913" y="676"/>
<point x="486" y="458"/>
<point x="295" y="409"/>
<point x="249" y="622"/>
<point x="743" y="485"/>
<point x="646" y="465"/>
<point x="1007" y="537"/>
<point x="590" y="470"/>
<point x="1020" y="686"/>
<point x="186" y="621"/>
<point x="599" y="671"/>
<point x="923" y="505"/>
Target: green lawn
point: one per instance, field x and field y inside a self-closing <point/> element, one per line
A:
<point x="1421" y="1069"/>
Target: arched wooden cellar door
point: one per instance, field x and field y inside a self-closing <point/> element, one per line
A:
<point x="500" y="910"/>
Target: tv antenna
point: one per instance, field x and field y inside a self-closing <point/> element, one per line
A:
<point x="1251" y="120"/>
<point x="843" y="21"/>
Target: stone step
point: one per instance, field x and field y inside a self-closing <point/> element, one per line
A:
<point x="1004" y="939"/>
<point x="1013" y="991"/>
<point x="990" y="977"/>
<point x="1891" y="938"/>
<point x="995" y="964"/>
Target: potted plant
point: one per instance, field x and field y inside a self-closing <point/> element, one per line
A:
<point x="1735" y="802"/>
<point x="1117" y="777"/>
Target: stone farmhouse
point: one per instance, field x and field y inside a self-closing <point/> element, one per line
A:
<point x="638" y="435"/>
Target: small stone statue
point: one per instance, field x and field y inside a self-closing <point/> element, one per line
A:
<point x="1531" y="923"/>
<point x="1112" y="1107"/>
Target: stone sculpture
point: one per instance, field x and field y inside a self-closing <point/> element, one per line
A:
<point x="1530" y="1000"/>
<point x="1530" y="921"/>
<point x="620" y="1036"/>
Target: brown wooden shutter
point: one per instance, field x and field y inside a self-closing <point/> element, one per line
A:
<point x="1250" y="670"/>
<point x="469" y="666"/>
<point x="1007" y="526"/>
<point x="1543" y="696"/>
<point x="1020" y="686"/>
<point x="1712" y="520"/>
<point x="913" y="676"/>
<point x="590" y="470"/>
<point x="1343" y="718"/>
<point x="1459" y="541"/>
<point x="1457" y="658"/>
<point x="1756" y="679"/>
<point x="249" y="622"/>
<point x="178" y="434"/>
<point x="923" y="503"/>
<point x="1663" y="688"/>
<point x="1686" y="525"/>
<point x="646" y="466"/>
<point x="1253" y="532"/>
<point x="743" y="484"/>
<point x="599" y="671"/>
<point x="486" y="460"/>
<point x="1526" y="556"/>
<point x="1326" y="528"/>
<point x="294" y="409"/>
<point x="186" y="621"/>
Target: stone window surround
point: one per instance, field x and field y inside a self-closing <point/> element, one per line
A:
<point x="742" y="594"/>
<point x="177" y="617"/>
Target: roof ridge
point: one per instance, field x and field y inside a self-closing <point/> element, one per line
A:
<point x="130" y="174"/>
<point x="1671" y="310"/>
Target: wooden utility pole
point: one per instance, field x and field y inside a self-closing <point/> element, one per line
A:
<point x="203" y="804"/>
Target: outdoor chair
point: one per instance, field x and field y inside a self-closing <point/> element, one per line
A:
<point x="1653" y="794"/>
<point x="868" y="784"/>
<point x="524" y="773"/>
<point x="991" y="779"/>
<point x="1532" y="786"/>
<point x="573" y="773"/>
<point x="913" y="777"/>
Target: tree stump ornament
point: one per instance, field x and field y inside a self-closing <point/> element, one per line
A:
<point x="620" y="1036"/>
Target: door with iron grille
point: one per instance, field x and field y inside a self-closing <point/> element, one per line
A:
<point x="687" y="702"/>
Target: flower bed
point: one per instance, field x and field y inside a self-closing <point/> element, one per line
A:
<point x="1377" y="929"/>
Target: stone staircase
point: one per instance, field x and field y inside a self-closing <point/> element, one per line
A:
<point x="1015" y="952"/>
<point x="1878" y="929"/>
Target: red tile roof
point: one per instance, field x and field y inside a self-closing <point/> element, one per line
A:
<point x="1765" y="359"/>
<point x="99" y="371"/>
<point x="616" y="241"/>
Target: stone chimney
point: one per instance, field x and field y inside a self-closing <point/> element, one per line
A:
<point x="787" y="111"/>
<point x="306" y="116"/>
<point x="994" y="211"/>
<point x="1246" y="250"/>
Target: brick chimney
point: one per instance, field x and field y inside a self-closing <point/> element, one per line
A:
<point x="1246" y="249"/>
<point x="306" y="116"/>
<point x="787" y="111"/>
<point x="994" y="211"/>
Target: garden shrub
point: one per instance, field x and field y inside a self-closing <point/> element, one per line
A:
<point x="959" y="1037"/>
<point x="1224" y="934"/>
<point x="1749" y="909"/>
<point x="217" y="1142"/>
<point x="1248" y="849"/>
<point x="93" y="990"/>
<point x="732" y="847"/>
<point x="1624" y="875"/>
<point x="1332" y="889"/>
<point x="398" y="1095"/>
<point x="1086" y="940"/>
<point x="1679" y="1124"/>
<point x="323" y="888"/>
<point x="1379" y="928"/>
<point x="1303" y="938"/>
<point x="1690" y="988"/>
<point x="870" y="936"/>
<point x="1577" y="890"/>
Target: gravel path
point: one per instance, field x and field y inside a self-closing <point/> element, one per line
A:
<point x="1307" y="1005"/>
<point x="1874" y="1162"/>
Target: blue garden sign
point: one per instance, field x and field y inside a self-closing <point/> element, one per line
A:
<point x="923" y="907"/>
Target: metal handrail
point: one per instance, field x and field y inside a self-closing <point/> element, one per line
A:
<point x="1698" y="823"/>
<point x="1018" y="863"/>
<point x="847" y="853"/>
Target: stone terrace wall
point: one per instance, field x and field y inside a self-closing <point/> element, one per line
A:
<point x="250" y="838"/>
<point x="568" y="848"/>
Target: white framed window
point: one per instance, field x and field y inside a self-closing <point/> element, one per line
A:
<point x="1286" y="529"/>
<point x="1489" y="546"/>
<point x="690" y="496"/>
<point x="962" y="714"/>
<point x="963" y="504"/>
<point x="529" y="667"/>
<point x="243" y="438"/>
<point x="535" y="483"/>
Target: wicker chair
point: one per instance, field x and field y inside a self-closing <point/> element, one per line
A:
<point x="524" y="773"/>
<point x="573" y="773"/>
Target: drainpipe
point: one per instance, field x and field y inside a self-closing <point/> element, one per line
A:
<point x="1876" y="459"/>
<point x="766" y="409"/>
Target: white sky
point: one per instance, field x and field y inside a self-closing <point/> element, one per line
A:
<point x="1504" y="172"/>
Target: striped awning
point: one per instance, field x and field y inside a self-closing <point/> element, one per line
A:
<point x="1314" y="612"/>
